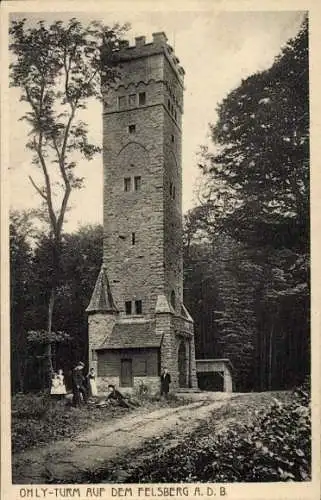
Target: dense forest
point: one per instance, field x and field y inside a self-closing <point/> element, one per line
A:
<point x="246" y="246"/>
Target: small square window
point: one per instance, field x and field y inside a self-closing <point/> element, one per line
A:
<point x="132" y="100"/>
<point x="128" y="307"/>
<point x="122" y="102"/>
<point x="137" y="182"/>
<point x="142" y="98"/>
<point x="127" y="184"/>
<point x="138" y="306"/>
<point x="132" y="129"/>
<point x="133" y="238"/>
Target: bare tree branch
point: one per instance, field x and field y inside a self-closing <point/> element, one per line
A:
<point x="37" y="188"/>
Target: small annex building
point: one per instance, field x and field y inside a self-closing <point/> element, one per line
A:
<point x="137" y="321"/>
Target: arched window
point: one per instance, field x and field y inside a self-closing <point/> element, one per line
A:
<point x="173" y="299"/>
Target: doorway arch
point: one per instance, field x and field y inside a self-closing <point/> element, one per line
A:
<point x="182" y="364"/>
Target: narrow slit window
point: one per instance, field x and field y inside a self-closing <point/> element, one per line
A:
<point x="142" y="98"/>
<point x="127" y="184"/>
<point x="137" y="182"/>
<point x="132" y="129"/>
<point x="133" y="238"/>
<point x="138" y="306"/>
<point x="128" y="307"/>
<point x="169" y="104"/>
<point x="171" y="188"/>
<point x="174" y="192"/>
<point x="173" y="138"/>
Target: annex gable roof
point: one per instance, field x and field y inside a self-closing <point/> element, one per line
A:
<point x="126" y="335"/>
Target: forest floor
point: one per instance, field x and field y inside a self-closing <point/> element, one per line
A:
<point x="115" y="450"/>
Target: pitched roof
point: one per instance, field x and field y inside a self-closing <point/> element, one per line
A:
<point x="102" y="299"/>
<point x="132" y="335"/>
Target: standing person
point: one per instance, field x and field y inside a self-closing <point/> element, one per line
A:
<point x="54" y="390"/>
<point x="61" y="386"/>
<point x="91" y="378"/>
<point x="165" y="381"/>
<point x="78" y="384"/>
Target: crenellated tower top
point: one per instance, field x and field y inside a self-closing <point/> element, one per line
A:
<point x="159" y="45"/>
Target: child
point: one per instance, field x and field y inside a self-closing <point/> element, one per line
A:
<point x="61" y="386"/>
<point x="54" y="385"/>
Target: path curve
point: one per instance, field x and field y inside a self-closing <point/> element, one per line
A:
<point x="70" y="460"/>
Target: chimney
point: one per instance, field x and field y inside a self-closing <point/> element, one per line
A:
<point x="159" y="38"/>
<point x="140" y="41"/>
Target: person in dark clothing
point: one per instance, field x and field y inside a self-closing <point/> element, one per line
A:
<point x="79" y="384"/>
<point x="165" y="381"/>
<point x="117" y="397"/>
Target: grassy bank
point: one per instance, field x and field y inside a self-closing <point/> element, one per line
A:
<point x="258" y="437"/>
<point x="37" y="419"/>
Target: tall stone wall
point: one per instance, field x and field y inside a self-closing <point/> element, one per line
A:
<point x="100" y="325"/>
<point x="142" y="139"/>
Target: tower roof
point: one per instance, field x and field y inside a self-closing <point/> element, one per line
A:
<point x="102" y="299"/>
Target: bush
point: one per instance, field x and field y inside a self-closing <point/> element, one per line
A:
<point x="276" y="446"/>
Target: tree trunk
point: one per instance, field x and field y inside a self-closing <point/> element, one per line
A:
<point x="48" y="347"/>
<point x="270" y="357"/>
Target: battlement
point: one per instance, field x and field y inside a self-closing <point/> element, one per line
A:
<point x="142" y="49"/>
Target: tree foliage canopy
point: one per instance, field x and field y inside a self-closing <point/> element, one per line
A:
<point x="257" y="180"/>
<point x="252" y="226"/>
<point x="58" y="68"/>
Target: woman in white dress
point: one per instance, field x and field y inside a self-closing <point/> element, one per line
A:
<point x="91" y="377"/>
<point x="61" y="386"/>
<point x="54" y="385"/>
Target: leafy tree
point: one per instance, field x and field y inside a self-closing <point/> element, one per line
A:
<point x="220" y="290"/>
<point x="21" y="276"/>
<point x="258" y="178"/>
<point x="255" y="188"/>
<point x="58" y="68"/>
<point x="80" y="264"/>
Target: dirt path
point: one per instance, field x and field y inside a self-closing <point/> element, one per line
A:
<point x="71" y="460"/>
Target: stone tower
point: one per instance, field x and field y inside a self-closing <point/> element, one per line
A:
<point x="141" y="282"/>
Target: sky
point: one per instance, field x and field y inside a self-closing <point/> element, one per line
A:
<point x="216" y="49"/>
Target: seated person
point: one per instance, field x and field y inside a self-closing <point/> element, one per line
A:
<point x="117" y="397"/>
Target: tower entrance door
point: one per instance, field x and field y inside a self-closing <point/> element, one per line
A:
<point x="126" y="373"/>
<point x="182" y="363"/>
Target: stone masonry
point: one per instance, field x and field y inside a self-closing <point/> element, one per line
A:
<point x="142" y="273"/>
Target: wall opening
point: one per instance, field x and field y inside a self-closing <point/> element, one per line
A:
<point x="182" y="365"/>
<point x="211" y="381"/>
<point x="138" y="306"/>
<point x="137" y="182"/>
<point x="173" y="299"/>
<point x="128" y="307"/>
<point x="127" y="183"/>
<point x="142" y="98"/>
